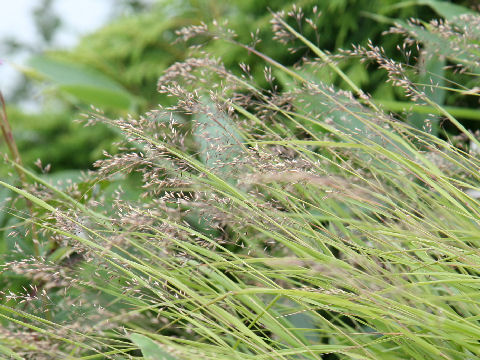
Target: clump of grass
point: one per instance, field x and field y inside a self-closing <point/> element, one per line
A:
<point x="302" y="224"/>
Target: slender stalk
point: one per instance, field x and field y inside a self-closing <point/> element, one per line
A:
<point x="12" y="147"/>
<point x="464" y="113"/>
<point x="8" y="136"/>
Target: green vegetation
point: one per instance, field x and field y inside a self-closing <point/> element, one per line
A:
<point x="116" y="68"/>
<point x="270" y="210"/>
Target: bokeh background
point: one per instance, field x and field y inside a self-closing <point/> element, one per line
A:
<point x="60" y="57"/>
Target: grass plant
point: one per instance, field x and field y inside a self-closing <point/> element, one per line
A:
<point x="301" y="223"/>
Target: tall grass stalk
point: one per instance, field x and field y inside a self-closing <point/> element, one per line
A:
<point x="17" y="159"/>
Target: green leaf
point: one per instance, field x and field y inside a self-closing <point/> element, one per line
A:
<point x="85" y="84"/>
<point x="4" y="194"/>
<point x="431" y="71"/>
<point x="60" y="254"/>
<point x="218" y="139"/>
<point x="447" y="10"/>
<point x="14" y="241"/>
<point x="150" y="349"/>
<point x="63" y="178"/>
<point x="444" y="47"/>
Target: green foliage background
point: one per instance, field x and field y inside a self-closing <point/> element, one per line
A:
<point x="117" y="67"/>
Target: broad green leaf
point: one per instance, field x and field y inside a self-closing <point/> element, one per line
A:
<point x="98" y="97"/>
<point x="4" y="194"/>
<point x="447" y="10"/>
<point x="218" y="139"/>
<point x="15" y="242"/>
<point x="431" y="71"/>
<point x="301" y="322"/>
<point x="62" y="179"/>
<point x="61" y="253"/>
<point x="335" y="108"/>
<point x="85" y="84"/>
<point x="443" y="46"/>
<point x="150" y="349"/>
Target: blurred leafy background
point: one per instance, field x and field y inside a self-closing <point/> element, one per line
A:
<point x="116" y="68"/>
